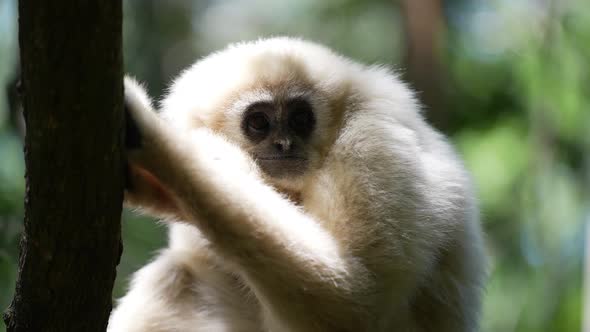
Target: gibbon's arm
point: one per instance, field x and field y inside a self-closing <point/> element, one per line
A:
<point x="296" y="268"/>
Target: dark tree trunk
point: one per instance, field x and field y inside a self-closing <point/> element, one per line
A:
<point x="73" y="92"/>
<point x="425" y="29"/>
<point x="15" y="112"/>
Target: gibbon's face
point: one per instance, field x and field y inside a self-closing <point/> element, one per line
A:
<point x="278" y="132"/>
<point x="281" y="101"/>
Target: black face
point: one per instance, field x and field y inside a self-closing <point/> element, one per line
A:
<point x="280" y="133"/>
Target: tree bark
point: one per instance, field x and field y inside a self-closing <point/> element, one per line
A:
<point x="425" y="30"/>
<point x="15" y="111"/>
<point x="73" y="93"/>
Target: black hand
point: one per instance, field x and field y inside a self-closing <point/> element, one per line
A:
<point x="133" y="139"/>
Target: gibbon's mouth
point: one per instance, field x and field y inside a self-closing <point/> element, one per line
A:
<point x="282" y="166"/>
<point x="281" y="157"/>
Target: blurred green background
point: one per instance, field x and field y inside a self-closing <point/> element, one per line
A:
<point x="507" y="80"/>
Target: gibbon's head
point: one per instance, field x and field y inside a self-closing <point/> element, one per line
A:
<point x="282" y="100"/>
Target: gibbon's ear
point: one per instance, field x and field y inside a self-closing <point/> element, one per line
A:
<point x="142" y="189"/>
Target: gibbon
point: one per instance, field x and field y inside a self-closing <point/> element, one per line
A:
<point x="303" y="192"/>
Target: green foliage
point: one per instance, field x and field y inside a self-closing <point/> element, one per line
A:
<point x="531" y="166"/>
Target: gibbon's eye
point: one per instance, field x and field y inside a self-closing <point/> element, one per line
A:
<point x="301" y="118"/>
<point x="257" y="122"/>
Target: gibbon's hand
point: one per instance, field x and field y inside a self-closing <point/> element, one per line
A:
<point x="142" y="188"/>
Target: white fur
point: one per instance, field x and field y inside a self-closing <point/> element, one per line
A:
<point x="381" y="234"/>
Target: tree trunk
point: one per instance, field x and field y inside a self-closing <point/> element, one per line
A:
<point x="425" y="29"/>
<point x="73" y="92"/>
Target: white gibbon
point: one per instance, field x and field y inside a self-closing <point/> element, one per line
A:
<point x="303" y="192"/>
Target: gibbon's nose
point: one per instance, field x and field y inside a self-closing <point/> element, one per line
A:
<point x="282" y="145"/>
